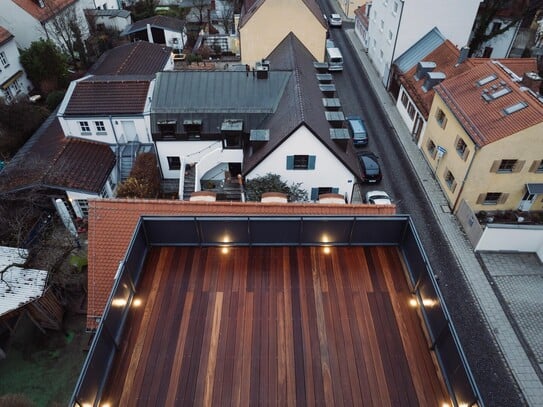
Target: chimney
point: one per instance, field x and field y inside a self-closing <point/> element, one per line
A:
<point x="464" y="53"/>
<point x="532" y="81"/>
<point x="261" y="70"/>
<point x="432" y="79"/>
<point x="423" y="67"/>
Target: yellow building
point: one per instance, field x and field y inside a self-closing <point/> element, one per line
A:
<point x="267" y="22"/>
<point x="484" y="140"/>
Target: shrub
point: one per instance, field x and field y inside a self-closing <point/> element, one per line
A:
<point x="54" y="98"/>
<point x="254" y="188"/>
<point x="144" y="179"/>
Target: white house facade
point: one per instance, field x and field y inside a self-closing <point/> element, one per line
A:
<point x="395" y="25"/>
<point x="303" y="158"/>
<point x="13" y="79"/>
<point x="31" y="21"/>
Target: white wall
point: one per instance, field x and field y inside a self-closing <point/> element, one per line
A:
<point x="22" y="25"/>
<point x="170" y="36"/>
<point x="328" y="172"/>
<point x="453" y="19"/>
<point x="409" y="122"/>
<point x="521" y="238"/>
<point x="115" y="129"/>
<point x="502" y="43"/>
<point x="12" y="56"/>
<point x="193" y="151"/>
<point x="107" y="4"/>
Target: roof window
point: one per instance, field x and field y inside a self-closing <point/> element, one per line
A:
<point x="486" y="79"/>
<point x="515" y="108"/>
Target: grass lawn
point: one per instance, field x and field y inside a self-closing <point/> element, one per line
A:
<point x="44" y="368"/>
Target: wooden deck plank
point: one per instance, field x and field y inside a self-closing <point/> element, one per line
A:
<point x="278" y="326"/>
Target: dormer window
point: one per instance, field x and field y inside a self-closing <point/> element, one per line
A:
<point x="167" y="127"/>
<point x="193" y="128"/>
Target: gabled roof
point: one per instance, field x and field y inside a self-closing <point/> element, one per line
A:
<point x="301" y="104"/>
<point x="164" y="22"/>
<point x="42" y="14"/>
<point x="5" y="36"/>
<point x="518" y="65"/>
<point x="115" y="221"/>
<point x="445" y="56"/>
<point x="481" y="107"/>
<point x="104" y="96"/>
<point x="251" y="7"/>
<point x="419" y="50"/>
<point x="51" y="160"/>
<point x="135" y="58"/>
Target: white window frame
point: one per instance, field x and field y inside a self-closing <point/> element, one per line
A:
<point x="4" y="59"/>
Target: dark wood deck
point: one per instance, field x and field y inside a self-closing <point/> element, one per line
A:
<point x="274" y="326"/>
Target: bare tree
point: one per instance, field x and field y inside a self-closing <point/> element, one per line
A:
<point x="226" y="15"/>
<point x="66" y="27"/>
<point x="489" y="10"/>
<point x="202" y="10"/>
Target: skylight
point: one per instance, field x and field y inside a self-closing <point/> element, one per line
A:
<point x="499" y="93"/>
<point x="487" y="79"/>
<point x="515" y="108"/>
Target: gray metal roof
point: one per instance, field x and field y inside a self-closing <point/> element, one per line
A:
<point x="109" y="13"/>
<point x="217" y="92"/>
<point x="419" y="50"/>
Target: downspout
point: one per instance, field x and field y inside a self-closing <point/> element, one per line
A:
<point x="464" y="180"/>
<point x="117" y="150"/>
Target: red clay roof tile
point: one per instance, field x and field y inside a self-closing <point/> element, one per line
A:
<point x="485" y="120"/>
<point x="52" y="7"/>
<point x="98" y="96"/>
<point x="5" y="35"/>
<point x="112" y="223"/>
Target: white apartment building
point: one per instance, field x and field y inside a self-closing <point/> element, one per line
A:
<point x="395" y="25"/>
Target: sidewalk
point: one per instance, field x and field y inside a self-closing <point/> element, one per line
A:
<point x="496" y="319"/>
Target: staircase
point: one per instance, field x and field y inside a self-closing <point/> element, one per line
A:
<point x="127" y="158"/>
<point x="190" y="176"/>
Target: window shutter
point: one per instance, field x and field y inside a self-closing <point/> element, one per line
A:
<point x="311" y="162"/>
<point x="434" y="153"/>
<point x="335" y="190"/>
<point x="314" y="194"/>
<point x="465" y="155"/>
<point x="453" y="186"/>
<point x="456" y="141"/>
<point x="444" y="123"/>
<point x="495" y="166"/>
<point x="518" y="165"/>
<point x="503" y="198"/>
<point x="290" y="162"/>
<point x="535" y="165"/>
<point x="481" y="198"/>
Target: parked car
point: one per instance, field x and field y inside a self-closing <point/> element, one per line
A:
<point x="357" y="130"/>
<point x="378" y="198"/>
<point x="370" y="169"/>
<point x="335" y="20"/>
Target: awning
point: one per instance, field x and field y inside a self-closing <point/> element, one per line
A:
<point x="10" y="81"/>
<point x="534" y="188"/>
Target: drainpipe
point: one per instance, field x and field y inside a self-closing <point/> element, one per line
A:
<point x="394" y="48"/>
<point x="464" y="180"/>
<point x="117" y="150"/>
<point x="149" y="33"/>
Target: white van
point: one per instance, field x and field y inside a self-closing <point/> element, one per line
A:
<point x="334" y="59"/>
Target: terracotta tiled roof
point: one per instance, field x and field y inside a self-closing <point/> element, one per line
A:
<point x="136" y="58"/>
<point x="101" y="96"/>
<point x="445" y="57"/>
<point x="5" y="35"/>
<point x="518" y="65"/>
<point x="485" y="120"/>
<point x="52" y="7"/>
<point x="49" y="159"/>
<point x="112" y="223"/>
